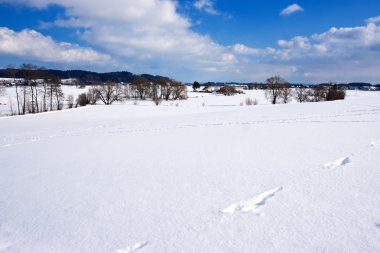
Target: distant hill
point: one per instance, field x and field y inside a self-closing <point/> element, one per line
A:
<point x="82" y="75"/>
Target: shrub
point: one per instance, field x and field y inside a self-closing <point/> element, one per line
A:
<point x="335" y="93"/>
<point x="228" y="90"/>
<point x="250" y="101"/>
<point x="317" y="93"/>
<point x="92" y="95"/>
<point x="157" y="101"/>
<point x="82" y="100"/>
<point x="70" y="101"/>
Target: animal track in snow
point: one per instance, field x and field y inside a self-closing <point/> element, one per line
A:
<point x="338" y="163"/>
<point x="374" y="143"/>
<point x="252" y="205"/>
<point x="132" y="249"/>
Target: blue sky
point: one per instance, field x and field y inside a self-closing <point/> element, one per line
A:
<point x="219" y="40"/>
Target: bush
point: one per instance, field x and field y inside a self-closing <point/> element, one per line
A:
<point x="70" y="101"/>
<point x="228" y="90"/>
<point x="250" y="101"/>
<point x="82" y="100"/>
<point x="92" y="95"/>
<point x="317" y="93"/>
<point x="335" y="93"/>
<point x="157" y="101"/>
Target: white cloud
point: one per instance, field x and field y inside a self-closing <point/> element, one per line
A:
<point x="291" y="9"/>
<point x="150" y="36"/>
<point x="34" y="45"/>
<point x="145" y="36"/>
<point x="207" y="6"/>
<point x="243" y="49"/>
<point x="374" y="20"/>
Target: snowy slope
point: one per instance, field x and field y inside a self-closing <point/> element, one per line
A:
<point x="188" y="178"/>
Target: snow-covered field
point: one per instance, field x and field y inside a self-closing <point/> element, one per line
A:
<point x="191" y="178"/>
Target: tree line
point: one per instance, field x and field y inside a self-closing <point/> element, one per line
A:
<point x="278" y="90"/>
<point x="141" y="88"/>
<point x="36" y="95"/>
<point x="39" y="92"/>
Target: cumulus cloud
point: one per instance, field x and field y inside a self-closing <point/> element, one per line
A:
<point x="243" y="49"/>
<point x="34" y="45"/>
<point x="291" y="9"/>
<point x="374" y="20"/>
<point x="207" y="6"/>
<point x="145" y="36"/>
<point x="150" y="36"/>
<point x="339" y="54"/>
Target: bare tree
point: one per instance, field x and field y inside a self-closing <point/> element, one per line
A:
<point x="70" y="101"/>
<point x="59" y="97"/>
<point x="274" y="88"/>
<point x="286" y="93"/>
<point x="301" y="94"/>
<point x="142" y="87"/>
<point x="45" y="89"/>
<point x="317" y="93"/>
<point x="55" y="93"/>
<point x="109" y="92"/>
<point x="30" y="74"/>
<point x="179" y="90"/>
<point x="92" y="95"/>
<point x="127" y="91"/>
<point x="166" y="86"/>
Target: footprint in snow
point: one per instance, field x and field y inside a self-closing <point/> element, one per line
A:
<point x="374" y="143"/>
<point x="338" y="163"/>
<point x="132" y="249"/>
<point x="251" y="205"/>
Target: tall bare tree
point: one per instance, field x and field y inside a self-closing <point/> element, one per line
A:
<point x="317" y="93"/>
<point x="179" y="90"/>
<point x="55" y="93"/>
<point x="286" y="93"/>
<point x="301" y="94"/>
<point x="142" y="87"/>
<point x="109" y="92"/>
<point x="274" y="88"/>
<point x="92" y="95"/>
<point x="167" y="87"/>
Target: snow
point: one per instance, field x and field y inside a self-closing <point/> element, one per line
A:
<point x="191" y="178"/>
